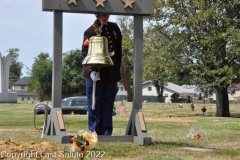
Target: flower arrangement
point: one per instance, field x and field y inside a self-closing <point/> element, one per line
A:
<point x="192" y="106"/>
<point x="203" y="109"/>
<point x="197" y="136"/>
<point x="84" y="141"/>
<point x="180" y="105"/>
<point x="196" y="132"/>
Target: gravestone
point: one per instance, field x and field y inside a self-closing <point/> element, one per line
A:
<point x="5" y="95"/>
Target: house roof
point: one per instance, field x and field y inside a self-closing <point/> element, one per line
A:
<point x="184" y="89"/>
<point x="22" y="81"/>
<point x="24" y="93"/>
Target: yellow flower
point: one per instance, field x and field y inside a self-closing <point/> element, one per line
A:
<point x="84" y="141"/>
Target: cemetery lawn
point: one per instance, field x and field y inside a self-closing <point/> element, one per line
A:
<point x="168" y="127"/>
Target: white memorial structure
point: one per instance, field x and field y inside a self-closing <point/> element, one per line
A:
<point x="5" y="95"/>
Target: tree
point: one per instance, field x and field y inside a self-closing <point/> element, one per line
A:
<point x="126" y="25"/>
<point x="204" y="42"/>
<point x="157" y="67"/>
<point x="15" y="70"/>
<point x="73" y="83"/>
<point x="40" y="81"/>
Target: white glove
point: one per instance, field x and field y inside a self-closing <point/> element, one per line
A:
<point x="95" y="76"/>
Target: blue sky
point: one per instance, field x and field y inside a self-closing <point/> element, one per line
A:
<point x="25" y="26"/>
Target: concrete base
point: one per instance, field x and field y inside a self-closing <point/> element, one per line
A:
<point x="9" y="97"/>
<point x="136" y="132"/>
<point x="60" y="139"/>
<point x="142" y="140"/>
<point x="101" y="138"/>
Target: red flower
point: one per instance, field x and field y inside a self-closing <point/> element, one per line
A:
<point x="203" y="108"/>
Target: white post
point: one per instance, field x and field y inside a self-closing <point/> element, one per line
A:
<point x="4" y="72"/>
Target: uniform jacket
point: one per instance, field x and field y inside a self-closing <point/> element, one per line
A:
<point x="112" y="32"/>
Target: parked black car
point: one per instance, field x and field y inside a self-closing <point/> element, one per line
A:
<point x="76" y="105"/>
<point x="40" y="109"/>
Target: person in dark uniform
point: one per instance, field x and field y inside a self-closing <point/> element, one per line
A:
<point x="100" y="119"/>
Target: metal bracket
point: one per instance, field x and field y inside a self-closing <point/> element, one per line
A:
<point x="137" y="128"/>
<point x="55" y="129"/>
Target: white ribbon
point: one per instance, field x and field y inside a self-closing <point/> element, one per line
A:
<point x="94" y="90"/>
<point x="93" y="95"/>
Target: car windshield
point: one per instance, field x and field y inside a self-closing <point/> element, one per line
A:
<point x="66" y="103"/>
<point x="74" y="102"/>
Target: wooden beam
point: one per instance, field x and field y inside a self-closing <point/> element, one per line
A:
<point x="60" y="120"/>
<point x="141" y="122"/>
<point x="113" y="7"/>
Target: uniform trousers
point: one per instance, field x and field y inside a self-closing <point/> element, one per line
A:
<point x="100" y="119"/>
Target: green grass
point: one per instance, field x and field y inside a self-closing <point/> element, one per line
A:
<point x="168" y="127"/>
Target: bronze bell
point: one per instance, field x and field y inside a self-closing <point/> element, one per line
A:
<point x="98" y="53"/>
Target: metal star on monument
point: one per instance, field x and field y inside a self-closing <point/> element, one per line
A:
<point x="128" y="3"/>
<point x="72" y="1"/>
<point x="100" y="2"/>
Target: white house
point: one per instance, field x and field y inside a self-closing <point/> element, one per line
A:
<point x="231" y="97"/>
<point x="20" y="87"/>
<point x="121" y="90"/>
<point x="149" y="90"/>
<point x="184" y="91"/>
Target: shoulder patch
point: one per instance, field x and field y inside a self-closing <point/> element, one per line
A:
<point x="86" y="43"/>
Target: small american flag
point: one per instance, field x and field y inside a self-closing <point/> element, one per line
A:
<point x="121" y="108"/>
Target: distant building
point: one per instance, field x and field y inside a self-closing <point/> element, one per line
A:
<point x="122" y="93"/>
<point x="232" y="97"/>
<point x="149" y="92"/>
<point x="184" y="92"/>
<point x="20" y="87"/>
